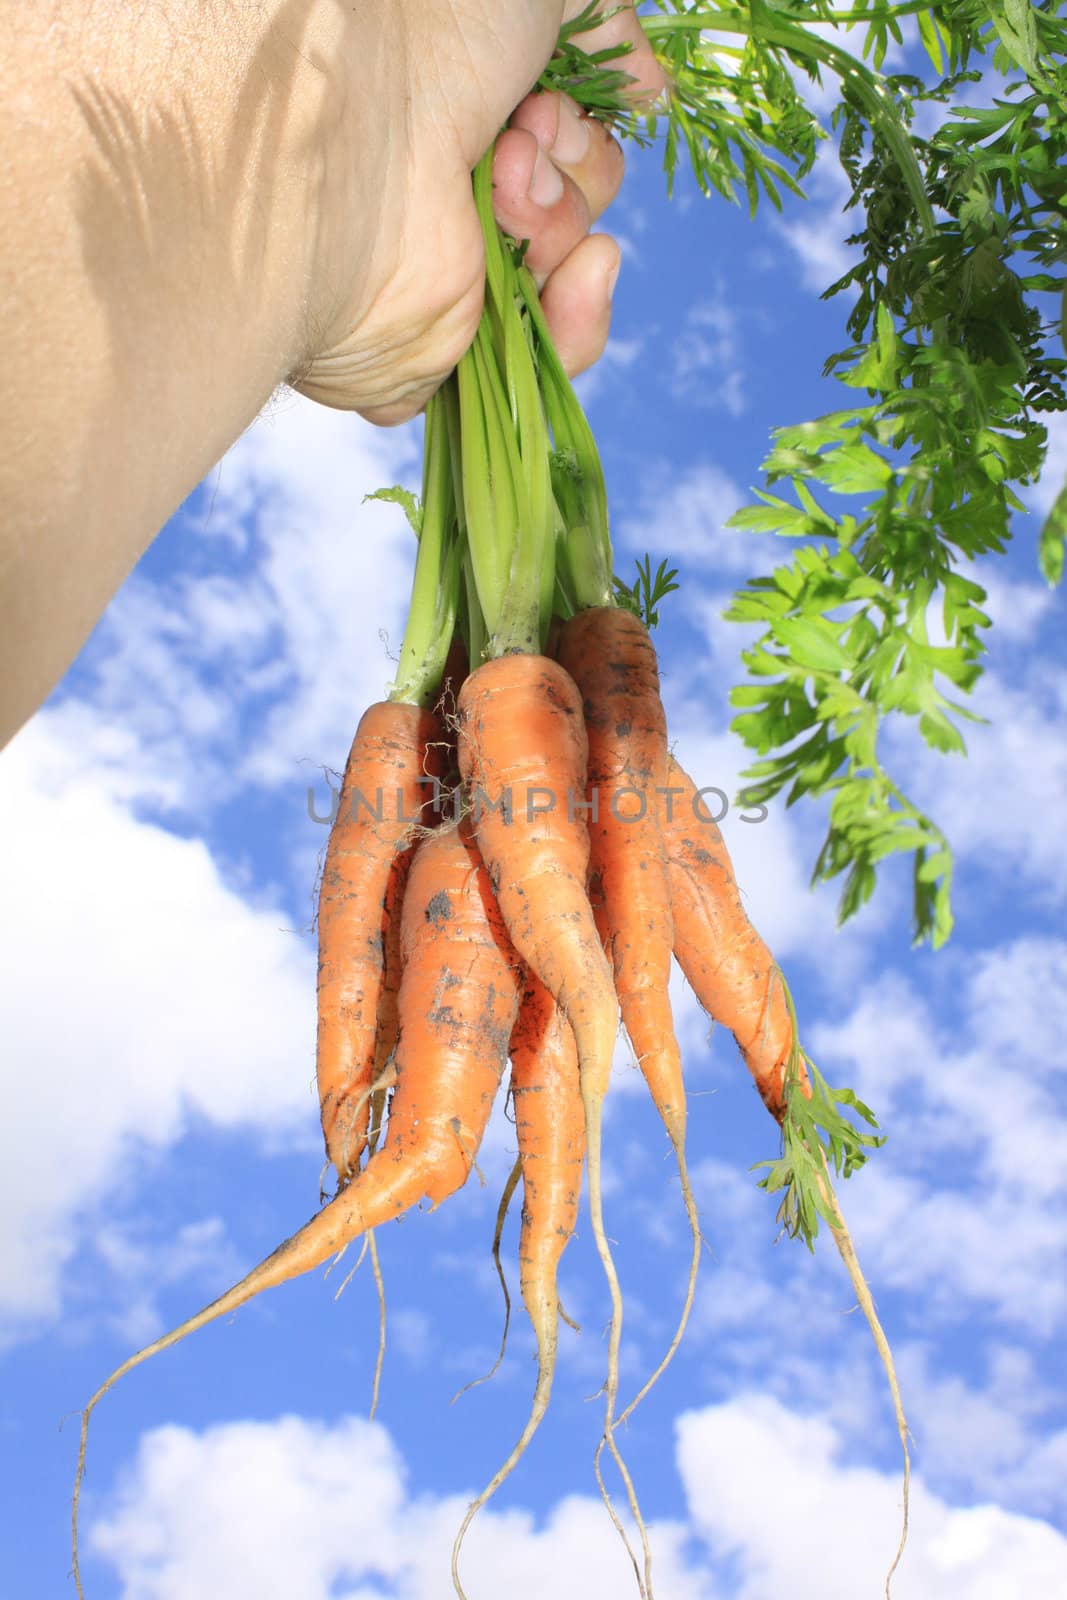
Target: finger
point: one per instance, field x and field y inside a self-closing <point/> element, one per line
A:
<point x="622" y="27"/>
<point x="576" y="300"/>
<point x="579" y="145"/>
<point x="534" y="199"/>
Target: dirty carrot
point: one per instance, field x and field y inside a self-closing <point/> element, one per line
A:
<point x="737" y="981"/>
<point x="611" y="658"/>
<point x="387" y="793"/>
<point x="550" y="1128"/>
<point x="549" y="1123"/>
<point x="383" y="796"/>
<point x="392" y="961"/>
<point x="523" y="755"/>
<point x="727" y="964"/>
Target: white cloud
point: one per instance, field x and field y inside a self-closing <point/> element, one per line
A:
<point x="992" y="1440"/>
<point x="623" y="352"/>
<point x="1018" y="1001"/>
<point x="816" y="231"/>
<point x="999" y="1435"/>
<point x="705" y="358"/>
<point x="619" y="356"/>
<point x="411" y="1331"/>
<point x="768" y="1487"/>
<point x="965" y="1250"/>
<point x="140" y="1264"/>
<point x="683" y="516"/>
<point x="138" y="989"/>
<point x="273" y="1509"/>
<point x="1016" y="608"/>
<point x="300" y="1507"/>
<point x="224" y="677"/>
<point x="998" y="805"/>
<point x="340" y="573"/>
<point x="976" y="1088"/>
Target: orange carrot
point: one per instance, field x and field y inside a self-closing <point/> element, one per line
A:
<point x="608" y="653"/>
<point x="551" y="1133"/>
<point x="730" y="969"/>
<point x="383" y="796"/>
<point x="392" y="961"/>
<point x="611" y="658"/>
<point x="440" y="764"/>
<point x="736" y="980"/>
<point x="459" y="998"/>
<point x="523" y="756"/>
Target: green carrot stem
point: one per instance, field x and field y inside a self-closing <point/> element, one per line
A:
<point x="570" y="426"/>
<point x="434" y="592"/>
<point x="538" y="513"/>
<point x="577" y="475"/>
<point x="496" y="288"/>
<point x="469" y="612"/>
<point x="503" y="470"/>
<point x="511" y="522"/>
<point x="515" y="512"/>
<point x="477" y="633"/>
<point x="478" y="488"/>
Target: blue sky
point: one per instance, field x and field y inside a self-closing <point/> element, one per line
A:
<point x="160" y="1127"/>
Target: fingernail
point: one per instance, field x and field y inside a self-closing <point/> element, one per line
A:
<point x="546" y="182"/>
<point x="613" y="278"/>
<point x="572" y="135"/>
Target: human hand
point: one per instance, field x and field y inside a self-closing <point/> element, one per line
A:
<point x="405" y="297"/>
<point x="233" y="196"/>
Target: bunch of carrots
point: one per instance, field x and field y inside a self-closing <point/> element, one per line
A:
<point x="515" y="859"/>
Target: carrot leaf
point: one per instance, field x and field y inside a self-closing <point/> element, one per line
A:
<point x="1053" y="538"/>
<point x="594" y="78"/>
<point x="408" y="502"/>
<point x="960" y="359"/>
<point x="642" y="598"/>
<point x="816" y="1138"/>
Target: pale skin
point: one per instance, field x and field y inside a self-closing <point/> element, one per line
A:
<point x="203" y="199"/>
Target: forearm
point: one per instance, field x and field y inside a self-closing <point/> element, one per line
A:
<point x="159" y="203"/>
